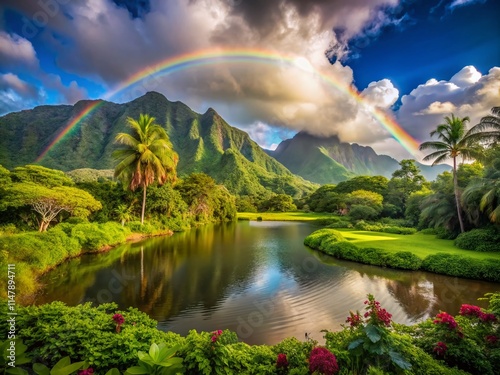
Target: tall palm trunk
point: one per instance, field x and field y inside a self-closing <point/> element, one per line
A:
<point x="143" y="203"/>
<point x="457" y="195"/>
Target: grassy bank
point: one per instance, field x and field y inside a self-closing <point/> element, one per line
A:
<point x="283" y="216"/>
<point x="410" y="252"/>
<point x="35" y="253"/>
<point x="422" y="245"/>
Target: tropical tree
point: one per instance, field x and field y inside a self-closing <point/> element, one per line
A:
<point x="490" y="125"/>
<point x="48" y="203"/>
<point x="146" y="155"/>
<point x="455" y="141"/>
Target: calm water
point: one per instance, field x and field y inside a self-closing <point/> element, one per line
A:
<point x="255" y="278"/>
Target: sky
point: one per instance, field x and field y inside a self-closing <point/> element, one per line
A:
<point x="328" y="67"/>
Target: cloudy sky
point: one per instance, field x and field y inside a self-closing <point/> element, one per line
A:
<point x="417" y="61"/>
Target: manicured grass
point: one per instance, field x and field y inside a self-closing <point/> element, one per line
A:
<point x="419" y="244"/>
<point x="284" y="216"/>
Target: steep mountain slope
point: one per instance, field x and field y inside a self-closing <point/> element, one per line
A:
<point x="205" y="143"/>
<point x="327" y="160"/>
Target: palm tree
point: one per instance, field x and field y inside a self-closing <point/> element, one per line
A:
<point x="455" y="141"/>
<point x="489" y="126"/>
<point x="147" y="155"/>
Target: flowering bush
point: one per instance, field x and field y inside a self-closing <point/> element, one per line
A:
<point x="446" y="319"/>
<point x="440" y="348"/>
<point x="375" y="314"/>
<point x="322" y="361"/>
<point x="282" y="363"/>
<point x="354" y="320"/>
<point x="215" y="335"/>
<point x="119" y="320"/>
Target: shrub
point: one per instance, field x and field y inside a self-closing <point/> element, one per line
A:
<point x="479" y="240"/>
<point x="344" y="250"/>
<point x="359" y="212"/>
<point x="95" y="236"/>
<point x="322" y="361"/>
<point x="54" y="331"/>
<point x="405" y="260"/>
<point x="315" y="239"/>
<point x="429" y="231"/>
<point x="461" y="266"/>
<point x="399" y="230"/>
<point x="341" y="224"/>
<point x="373" y="256"/>
<point x="296" y="352"/>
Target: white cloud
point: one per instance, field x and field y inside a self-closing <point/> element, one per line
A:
<point x="467" y="93"/>
<point x="381" y="94"/>
<point x="15" y="50"/>
<point x="460" y="3"/>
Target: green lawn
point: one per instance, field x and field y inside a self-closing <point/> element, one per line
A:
<point x="284" y="216"/>
<point x="418" y="243"/>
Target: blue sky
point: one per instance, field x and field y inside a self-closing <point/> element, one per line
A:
<point x="416" y="60"/>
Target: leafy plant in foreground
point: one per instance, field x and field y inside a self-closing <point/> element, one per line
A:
<point x="159" y="360"/>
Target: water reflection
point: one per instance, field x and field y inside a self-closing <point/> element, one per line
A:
<point x="255" y="278"/>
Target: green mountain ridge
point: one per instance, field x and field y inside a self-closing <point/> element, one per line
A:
<point x="205" y="143"/>
<point x="327" y="160"/>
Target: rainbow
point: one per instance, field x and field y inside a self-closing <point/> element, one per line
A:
<point x="214" y="56"/>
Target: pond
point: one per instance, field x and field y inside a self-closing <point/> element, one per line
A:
<point x="255" y="278"/>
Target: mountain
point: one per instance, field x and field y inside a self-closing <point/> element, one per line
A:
<point x="326" y="160"/>
<point x="204" y="142"/>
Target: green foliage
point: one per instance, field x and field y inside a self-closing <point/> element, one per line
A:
<point x="206" y="200"/>
<point x="376" y="184"/>
<point x="63" y="367"/>
<point x="365" y="198"/>
<point x="315" y="239"/>
<point x="279" y="203"/>
<point x="479" y="240"/>
<point x="359" y="212"/>
<point x="462" y="266"/>
<point x="212" y="353"/>
<point x="40" y="175"/>
<point x="54" y="331"/>
<point x="12" y="355"/>
<point x="90" y="175"/>
<point x="93" y="236"/>
<point x="159" y="361"/>
<point x="297" y="353"/>
<point x="50" y="202"/>
<point x="404" y="260"/>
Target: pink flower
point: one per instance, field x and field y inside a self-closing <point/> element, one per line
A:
<point x="323" y="361"/>
<point x="282" y="361"/>
<point x="446" y="319"/>
<point x="216" y="334"/>
<point x="88" y="371"/>
<point x="214" y="338"/>
<point x="119" y="319"/>
<point x="440" y="348"/>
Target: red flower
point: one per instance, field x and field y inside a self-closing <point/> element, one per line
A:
<point x="282" y="361"/>
<point x="446" y="319"/>
<point x="487" y="317"/>
<point x="440" y="348"/>
<point x="492" y="339"/>
<point x="88" y="371"/>
<point x="323" y="361"/>
<point x="119" y="319"/>
<point x="354" y="320"/>
<point x="470" y="310"/>
<point x="376" y="313"/>
<point x="215" y="335"/>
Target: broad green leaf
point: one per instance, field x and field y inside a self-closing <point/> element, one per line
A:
<point x="113" y="371"/>
<point x="136" y="370"/>
<point x="154" y="351"/>
<point x="63" y="362"/>
<point x="167" y="352"/>
<point x="373" y="333"/>
<point x="67" y="370"/>
<point x="41" y="369"/>
<point x="16" y="371"/>
<point x="355" y="344"/>
<point x="399" y="360"/>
